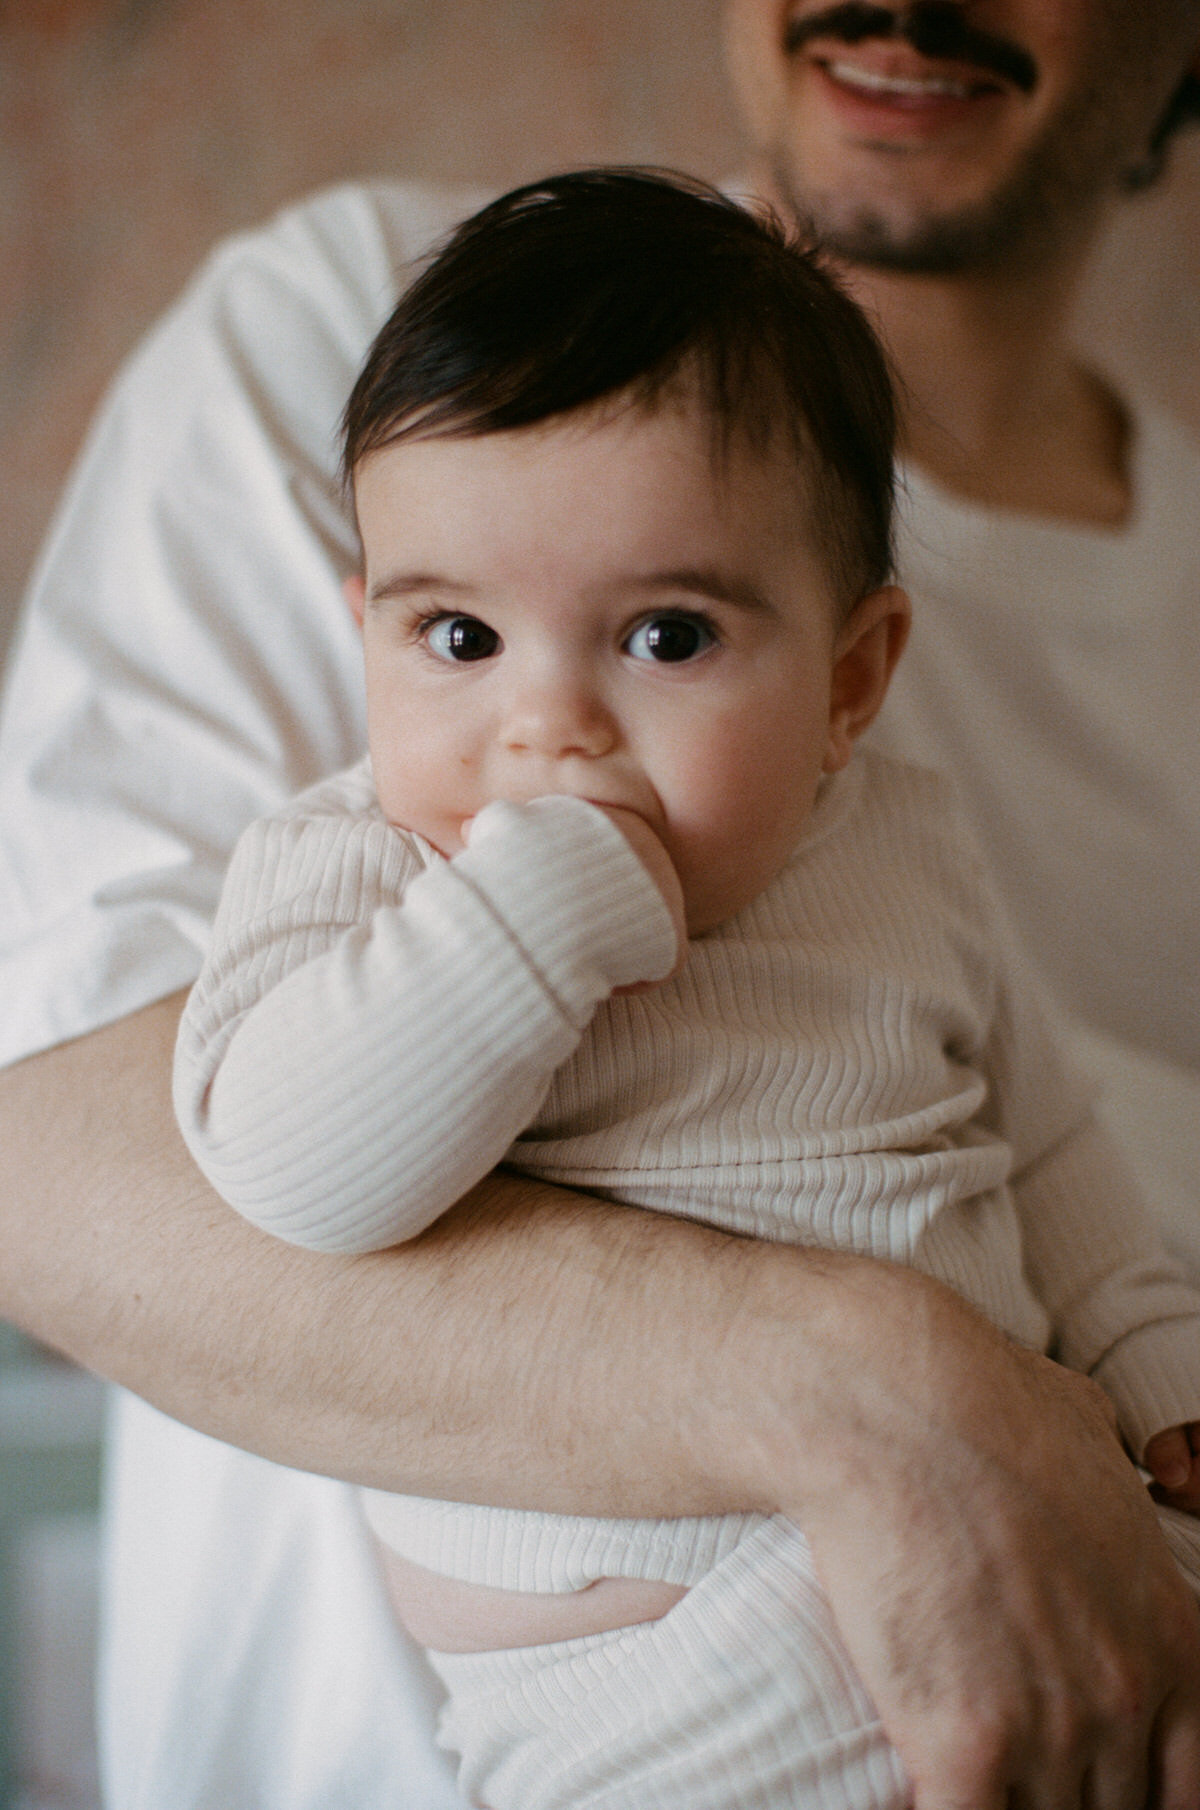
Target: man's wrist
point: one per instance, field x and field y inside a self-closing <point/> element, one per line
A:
<point x="808" y="1356"/>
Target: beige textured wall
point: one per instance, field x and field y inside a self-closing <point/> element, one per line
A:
<point x="134" y="132"/>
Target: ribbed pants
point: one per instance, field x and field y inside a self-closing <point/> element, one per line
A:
<point x="741" y="1698"/>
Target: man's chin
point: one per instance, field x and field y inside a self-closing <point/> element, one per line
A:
<point x="908" y="240"/>
<point x="937" y="248"/>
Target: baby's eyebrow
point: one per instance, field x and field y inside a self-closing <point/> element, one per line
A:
<point x="711" y="581"/>
<point x="396" y="586"/>
<point x="701" y="581"/>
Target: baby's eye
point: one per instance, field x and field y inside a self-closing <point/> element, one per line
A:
<point x="461" y="638"/>
<point x="670" y="639"/>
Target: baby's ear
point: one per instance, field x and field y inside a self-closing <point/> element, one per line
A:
<point x="869" y="643"/>
<point x="354" y="590"/>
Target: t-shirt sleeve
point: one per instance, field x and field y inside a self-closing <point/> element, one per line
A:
<point x="186" y="661"/>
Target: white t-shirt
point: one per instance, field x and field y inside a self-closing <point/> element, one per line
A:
<point x="1053" y="674"/>
<point x="187" y="663"/>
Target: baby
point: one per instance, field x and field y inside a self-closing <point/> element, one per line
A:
<point x="618" y="901"/>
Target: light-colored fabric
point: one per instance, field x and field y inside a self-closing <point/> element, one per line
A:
<point x="1152" y="1107"/>
<point x="249" y="1658"/>
<point x="1052" y="673"/>
<point x="854" y="1061"/>
<point x="374" y="1023"/>
<point x="741" y="1698"/>
<point x="187" y="664"/>
<point x="186" y="660"/>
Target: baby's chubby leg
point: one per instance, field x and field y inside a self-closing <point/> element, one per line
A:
<point x="453" y="1617"/>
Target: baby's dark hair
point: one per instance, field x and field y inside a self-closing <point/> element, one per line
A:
<point x="616" y="283"/>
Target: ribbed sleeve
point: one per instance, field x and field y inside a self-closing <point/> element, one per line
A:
<point x="376" y="1024"/>
<point x="1121" y="1309"/>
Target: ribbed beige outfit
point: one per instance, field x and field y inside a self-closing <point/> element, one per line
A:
<point x="854" y="1061"/>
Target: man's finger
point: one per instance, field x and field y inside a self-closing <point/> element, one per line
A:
<point x="1177" y="1753"/>
<point x="1120" y="1782"/>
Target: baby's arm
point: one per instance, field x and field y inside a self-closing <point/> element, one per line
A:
<point x="1119" y="1307"/>
<point x="370" y="1035"/>
<point x="1121" y="1310"/>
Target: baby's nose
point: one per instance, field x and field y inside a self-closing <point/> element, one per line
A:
<point x="558" y="719"/>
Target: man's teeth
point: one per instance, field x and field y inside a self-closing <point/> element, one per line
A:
<point x="851" y="75"/>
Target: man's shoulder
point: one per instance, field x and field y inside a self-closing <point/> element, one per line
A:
<point x="314" y="281"/>
<point x="384" y="221"/>
<point x="261" y="347"/>
<point x="341" y="252"/>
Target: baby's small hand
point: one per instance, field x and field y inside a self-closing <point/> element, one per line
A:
<point x="655" y="859"/>
<point x="1173" y="1460"/>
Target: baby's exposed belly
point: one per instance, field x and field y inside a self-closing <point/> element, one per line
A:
<point x="454" y="1617"/>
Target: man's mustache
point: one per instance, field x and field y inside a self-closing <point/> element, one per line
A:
<point x="934" y="28"/>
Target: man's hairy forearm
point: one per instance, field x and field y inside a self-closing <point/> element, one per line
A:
<point x="534" y="1347"/>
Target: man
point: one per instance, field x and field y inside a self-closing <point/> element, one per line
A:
<point x="964" y="1499"/>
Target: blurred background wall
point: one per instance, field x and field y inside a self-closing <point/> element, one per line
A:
<point x="133" y="133"/>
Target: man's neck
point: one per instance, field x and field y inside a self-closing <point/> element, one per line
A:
<point x="996" y="404"/>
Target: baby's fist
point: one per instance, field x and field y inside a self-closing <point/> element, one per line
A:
<point x="1173" y="1460"/>
<point x="655" y="859"/>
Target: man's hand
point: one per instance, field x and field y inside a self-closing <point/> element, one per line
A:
<point x="998" y="1574"/>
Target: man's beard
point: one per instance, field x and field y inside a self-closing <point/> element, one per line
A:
<point x="1034" y="207"/>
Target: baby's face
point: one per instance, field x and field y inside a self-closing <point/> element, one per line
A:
<point x="595" y="606"/>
